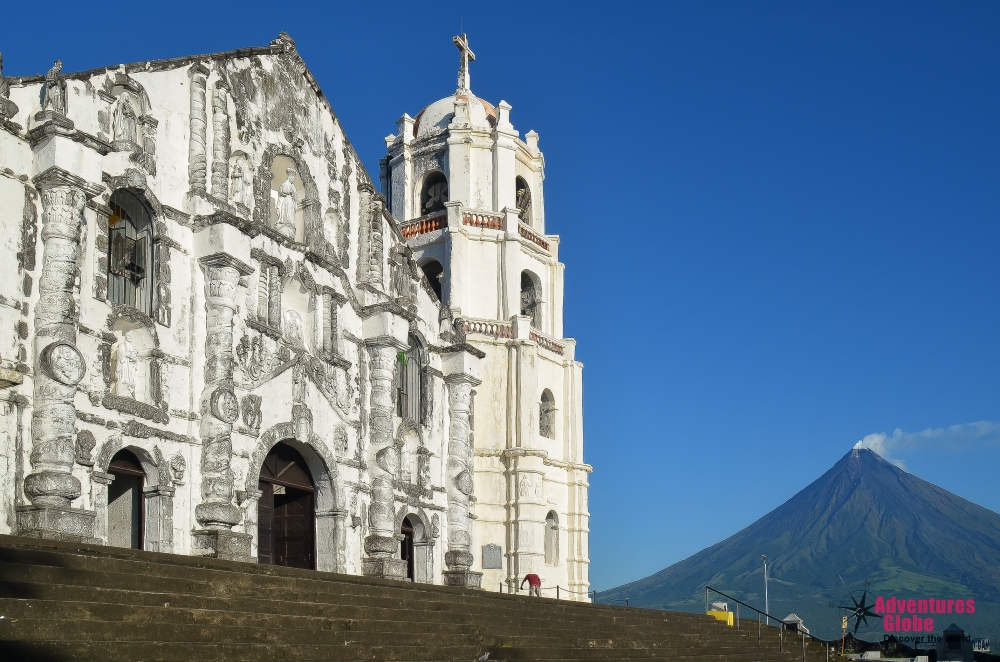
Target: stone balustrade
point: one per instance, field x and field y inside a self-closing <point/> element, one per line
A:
<point x="436" y="221"/>
<point x="478" y="219"/>
<point x="532" y="236"/>
<point x="547" y="343"/>
<point x="488" y="328"/>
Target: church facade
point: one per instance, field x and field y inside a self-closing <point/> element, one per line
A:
<point x="219" y="337"/>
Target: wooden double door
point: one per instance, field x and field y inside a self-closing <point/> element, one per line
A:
<point x="286" y="512"/>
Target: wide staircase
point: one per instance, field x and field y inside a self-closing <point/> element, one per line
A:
<point x="67" y="601"/>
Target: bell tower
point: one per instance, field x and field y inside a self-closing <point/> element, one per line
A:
<point x="467" y="191"/>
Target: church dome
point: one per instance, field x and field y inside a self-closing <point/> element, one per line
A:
<point x="434" y="119"/>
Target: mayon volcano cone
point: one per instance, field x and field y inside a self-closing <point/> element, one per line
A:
<point x="863" y="520"/>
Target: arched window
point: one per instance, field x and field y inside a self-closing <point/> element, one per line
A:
<point x="130" y="273"/>
<point x="435" y="274"/>
<point x="552" y="538"/>
<point x="126" y="510"/>
<point x="523" y="200"/>
<point x="434" y="193"/>
<point x="547" y="415"/>
<point x="530" y="298"/>
<point x="409" y="369"/>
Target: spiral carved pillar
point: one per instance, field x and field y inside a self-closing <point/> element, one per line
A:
<point x="197" y="156"/>
<point x="459" y="558"/>
<point x="59" y="367"/>
<point x="381" y="544"/>
<point x="217" y="513"/>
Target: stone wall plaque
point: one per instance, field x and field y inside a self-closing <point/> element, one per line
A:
<point x="63" y="363"/>
<point x="492" y="557"/>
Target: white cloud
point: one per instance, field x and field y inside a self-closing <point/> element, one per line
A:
<point x="961" y="437"/>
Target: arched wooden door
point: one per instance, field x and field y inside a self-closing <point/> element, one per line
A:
<point x="406" y="546"/>
<point x="286" y="522"/>
<point x="126" y="507"/>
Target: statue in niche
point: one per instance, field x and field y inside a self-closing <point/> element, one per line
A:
<point x="293" y="328"/>
<point x="126" y="357"/>
<point x="287" y="204"/>
<point x="55" y="89"/>
<point x="240" y="183"/>
<point x="125" y="121"/>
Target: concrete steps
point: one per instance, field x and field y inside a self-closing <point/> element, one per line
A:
<point x="65" y="601"/>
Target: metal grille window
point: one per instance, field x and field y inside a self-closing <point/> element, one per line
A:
<point x="130" y="277"/>
<point x="408" y="373"/>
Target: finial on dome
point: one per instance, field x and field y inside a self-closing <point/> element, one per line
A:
<point x="467" y="56"/>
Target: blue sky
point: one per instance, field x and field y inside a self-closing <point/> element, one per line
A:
<point x="780" y="221"/>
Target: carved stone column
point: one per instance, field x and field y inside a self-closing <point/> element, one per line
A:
<point x="220" y="142"/>
<point x="458" y="558"/>
<point x="197" y="159"/>
<point x="59" y="367"/>
<point x="381" y="544"/>
<point x="219" y="408"/>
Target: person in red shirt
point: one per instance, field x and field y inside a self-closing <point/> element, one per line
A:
<point x="534" y="585"/>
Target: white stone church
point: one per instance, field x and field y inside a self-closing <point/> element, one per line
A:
<point x="219" y="337"/>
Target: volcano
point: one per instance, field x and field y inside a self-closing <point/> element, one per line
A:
<point x="864" y="525"/>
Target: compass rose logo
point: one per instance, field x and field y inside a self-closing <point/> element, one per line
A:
<point x="860" y="611"/>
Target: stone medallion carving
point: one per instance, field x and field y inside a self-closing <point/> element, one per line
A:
<point x="63" y="363"/>
<point x="225" y="406"/>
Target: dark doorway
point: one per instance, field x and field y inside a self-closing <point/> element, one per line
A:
<point x="286" y="530"/>
<point x="406" y="546"/>
<point x="126" y="512"/>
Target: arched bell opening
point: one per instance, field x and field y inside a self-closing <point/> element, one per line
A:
<point x="433" y="193"/>
<point x="286" y="511"/>
<point x="126" y="506"/>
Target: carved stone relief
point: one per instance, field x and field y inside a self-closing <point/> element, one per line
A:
<point x="85" y="443"/>
<point x="177" y="467"/>
<point x="251" y="412"/>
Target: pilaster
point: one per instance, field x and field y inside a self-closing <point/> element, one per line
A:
<point x="59" y="367"/>
<point x="380" y="545"/>
<point x="217" y="513"/>
<point x="461" y="368"/>
<point x="197" y="157"/>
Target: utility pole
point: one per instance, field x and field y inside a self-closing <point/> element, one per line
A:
<point x="767" y="606"/>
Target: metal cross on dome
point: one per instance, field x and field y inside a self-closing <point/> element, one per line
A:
<point x="467" y="56"/>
